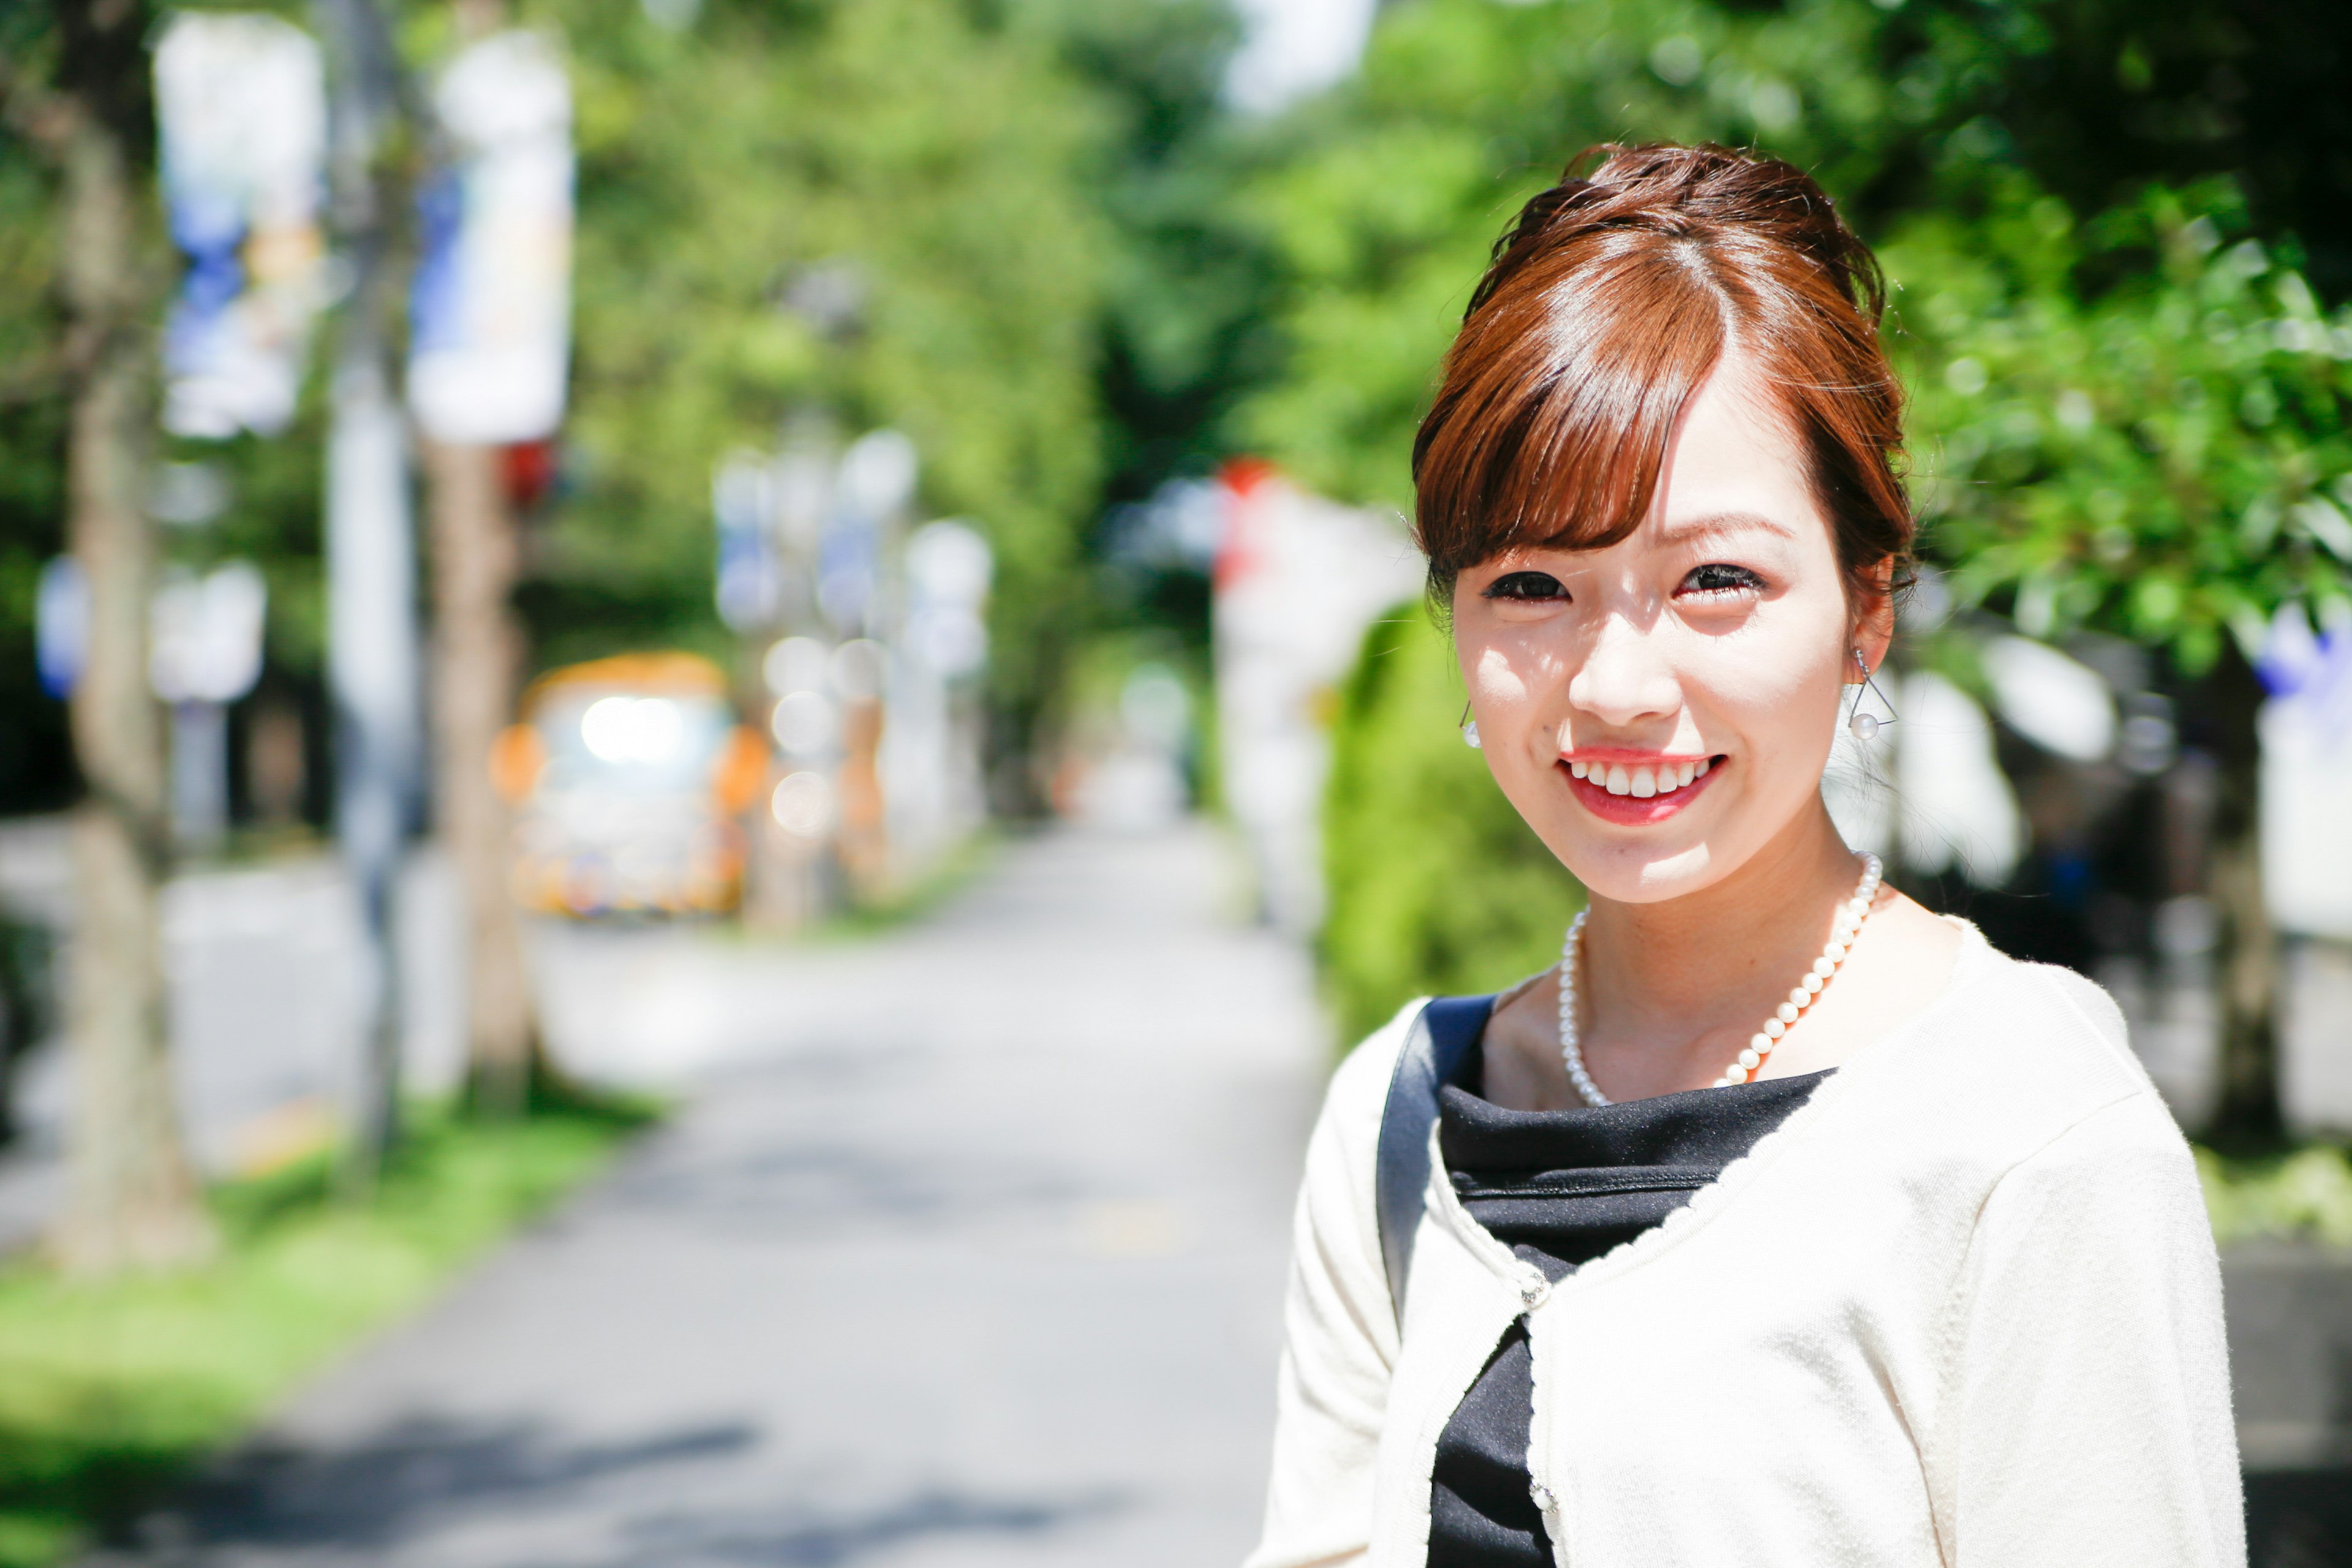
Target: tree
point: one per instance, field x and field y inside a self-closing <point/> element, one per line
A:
<point x="1187" y="279"/>
<point x="1382" y="217"/>
<point x="476" y="668"/>
<point x="477" y="662"/>
<point x="876" y="214"/>
<point x="1381" y="211"/>
<point x="133" y="1200"/>
<point x="2163" y="458"/>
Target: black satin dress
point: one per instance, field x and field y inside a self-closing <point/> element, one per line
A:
<point x="1559" y="1188"/>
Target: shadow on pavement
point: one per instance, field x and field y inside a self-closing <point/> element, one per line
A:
<point x="281" y="1504"/>
<point x="791" y="1541"/>
<point x="373" y="1494"/>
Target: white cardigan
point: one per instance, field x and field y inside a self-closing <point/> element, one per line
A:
<point x="1961" y="1309"/>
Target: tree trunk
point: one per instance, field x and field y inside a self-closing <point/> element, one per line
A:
<point x="2246" y="969"/>
<point x="133" y="1200"/>
<point x="477" y="659"/>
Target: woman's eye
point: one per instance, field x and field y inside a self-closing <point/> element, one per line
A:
<point x="1528" y="587"/>
<point x="1719" y="577"/>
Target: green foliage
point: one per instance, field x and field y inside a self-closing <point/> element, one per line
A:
<point x="923" y="166"/>
<point x="2304" y="1194"/>
<point x="1435" y="884"/>
<point x="110" y="1390"/>
<point x="1383" y="219"/>
<point x="1185" y="283"/>
<point x="2164" y="458"/>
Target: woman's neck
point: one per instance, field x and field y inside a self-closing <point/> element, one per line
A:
<point x="1692" y="975"/>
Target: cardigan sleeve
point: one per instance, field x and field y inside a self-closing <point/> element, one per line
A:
<point x="2092" y="1422"/>
<point x="1340" y="1334"/>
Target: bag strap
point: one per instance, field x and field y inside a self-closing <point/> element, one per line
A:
<point x="1444" y="1033"/>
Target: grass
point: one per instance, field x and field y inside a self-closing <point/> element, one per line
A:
<point x="110" y="1390"/>
<point x="2303" y="1194"/>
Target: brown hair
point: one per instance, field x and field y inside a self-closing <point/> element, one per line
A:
<point x="1606" y="306"/>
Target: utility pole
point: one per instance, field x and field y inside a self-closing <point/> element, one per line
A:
<point x="371" y="648"/>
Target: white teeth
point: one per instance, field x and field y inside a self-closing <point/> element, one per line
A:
<point x="1704" y="764"/>
<point x="1640" y="783"/>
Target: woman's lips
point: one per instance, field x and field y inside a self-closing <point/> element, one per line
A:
<point x="1636" y="795"/>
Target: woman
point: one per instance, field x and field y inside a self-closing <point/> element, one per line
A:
<point x="1784" y="1223"/>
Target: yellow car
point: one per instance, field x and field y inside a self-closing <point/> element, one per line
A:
<point x="629" y="777"/>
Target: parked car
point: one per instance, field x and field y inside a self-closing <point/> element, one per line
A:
<point x="629" y="776"/>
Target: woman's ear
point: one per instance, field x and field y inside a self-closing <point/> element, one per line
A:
<point x="1873" y="620"/>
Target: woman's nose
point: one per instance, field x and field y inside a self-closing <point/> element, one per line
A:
<point x="1625" y="677"/>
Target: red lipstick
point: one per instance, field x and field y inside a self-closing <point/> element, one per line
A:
<point x="1632" y="810"/>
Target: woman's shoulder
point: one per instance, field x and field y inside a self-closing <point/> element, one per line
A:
<point x="2013" y="1058"/>
<point x="2076" y="1042"/>
<point x="2041" y="1018"/>
<point x="1360" y="1085"/>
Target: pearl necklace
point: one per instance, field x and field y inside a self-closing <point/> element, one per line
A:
<point x="1844" y="928"/>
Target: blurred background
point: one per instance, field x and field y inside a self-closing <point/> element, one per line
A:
<point x="790" y="622"/>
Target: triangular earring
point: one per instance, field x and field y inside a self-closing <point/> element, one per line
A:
<point x="1866" y="726"/>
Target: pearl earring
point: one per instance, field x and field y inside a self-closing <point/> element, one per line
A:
<point x="1469" y="728"/>
<point x="1866" y="726"/>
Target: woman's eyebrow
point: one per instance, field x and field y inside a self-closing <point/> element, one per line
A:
<point x="1720" y="523"/>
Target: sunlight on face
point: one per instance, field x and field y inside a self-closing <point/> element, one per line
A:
<point x="1712" y="645"/>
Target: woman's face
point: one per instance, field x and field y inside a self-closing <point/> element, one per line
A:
<point x="1659" y="711"/>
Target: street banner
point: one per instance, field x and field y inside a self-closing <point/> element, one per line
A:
<point x="2305" y="730"/>
<point x="205" y="633"/>
<point x="241" y="113"/>
<point x="490" y="316"/>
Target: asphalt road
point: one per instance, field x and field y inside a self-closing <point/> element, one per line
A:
<point x="966" y="1250"/>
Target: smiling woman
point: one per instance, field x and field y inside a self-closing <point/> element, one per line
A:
<point x="1782" y="1221"/>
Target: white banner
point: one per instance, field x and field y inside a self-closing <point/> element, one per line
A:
<point x="205" y="633"/>
<point x="491" y="315"/>
<point x="241" y="113"/>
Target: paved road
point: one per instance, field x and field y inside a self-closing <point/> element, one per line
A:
<point x="967" y="1251"/>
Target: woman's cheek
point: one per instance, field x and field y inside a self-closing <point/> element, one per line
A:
<point x="1761" y="687"/>
<point x="1497" y="683"/>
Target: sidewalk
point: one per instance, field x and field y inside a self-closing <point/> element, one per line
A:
<point x="968" y="1250"/>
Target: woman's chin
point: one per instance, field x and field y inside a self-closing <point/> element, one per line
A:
<point x="1649" y="870"/>
<point x="1665" y="854"/>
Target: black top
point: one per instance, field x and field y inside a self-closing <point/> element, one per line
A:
<point x="1559" y="1188"/>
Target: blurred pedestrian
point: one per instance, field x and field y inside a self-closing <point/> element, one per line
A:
<point x="1782" y="1221"/>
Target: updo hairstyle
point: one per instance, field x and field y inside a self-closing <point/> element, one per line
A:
<point x="1606" y="306"/>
